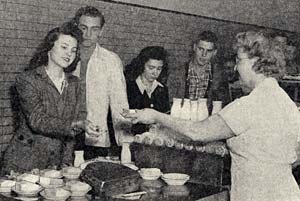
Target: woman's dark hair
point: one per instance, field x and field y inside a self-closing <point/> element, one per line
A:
<point x="137" y="65"/>
<point x="40" y="57"/>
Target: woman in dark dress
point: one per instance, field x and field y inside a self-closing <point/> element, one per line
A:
<point x="49" y="101"/>
<point x="144" y="76"/>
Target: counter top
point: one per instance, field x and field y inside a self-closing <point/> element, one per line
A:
<point x="187" y="192"/>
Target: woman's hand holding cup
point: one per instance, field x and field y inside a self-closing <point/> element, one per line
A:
<point x="87" y="126"/>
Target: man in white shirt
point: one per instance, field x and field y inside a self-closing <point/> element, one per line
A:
<point x="103" y="83"/>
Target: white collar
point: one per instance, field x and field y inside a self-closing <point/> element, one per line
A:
<point x="60" y="83"/>
<point x="142" y="87"/>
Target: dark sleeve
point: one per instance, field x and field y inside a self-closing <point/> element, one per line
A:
<point x="135" y="100"/>
<point x="220" y="87"/>
<point x="177" y="83"/>
<point x="166" y="102"/>
<point x="78" y="99"/>
<point x="33" y="108"/>
<point x="68" y="150"/>
<point x="69" y="143"/>
<point x="160" y="98"/>
<point x="129" y="93"/>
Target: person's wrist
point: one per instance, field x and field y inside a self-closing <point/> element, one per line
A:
<point x="157" y="116"/>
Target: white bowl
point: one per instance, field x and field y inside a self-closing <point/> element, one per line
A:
<point x="175" y="178"/>
<point x="6" y="185"/>
<point x="130" y="196"/>
<point x="50" y="182"/>
<point x="57" y="194"/>
<point x="26" y="189"/>
<point x="77" y="188"/>
<point x="28" y="177"/>
<point x="150" y="173"/>
<point x="71" y="172"/>
<point x="55" y="174"/>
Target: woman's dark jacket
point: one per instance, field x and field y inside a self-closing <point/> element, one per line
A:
<point x="43" y="138"/>
<point x="159" y="101"/>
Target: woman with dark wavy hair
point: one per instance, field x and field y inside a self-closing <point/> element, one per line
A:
<point x="41" y="56"/>
<point x="49" y="101"/>
<point x="261" y="129"/>
<point x="144" y="77"/>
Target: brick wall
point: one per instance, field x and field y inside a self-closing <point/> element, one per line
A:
<point x="23" y="23"/>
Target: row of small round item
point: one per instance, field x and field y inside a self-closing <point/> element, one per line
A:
<point x="158" y="141"/>
<point x="173" y="179"/>
<point x="49" y="184"/>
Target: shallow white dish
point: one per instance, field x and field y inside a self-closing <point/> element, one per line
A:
<point x="28" y="177"/>
<point x="150" y="173"/>
<point x="26" y="189"/>
<point x="51" y="183"/>
<point x="130" y="196"/>
<point x="58" y="194"/>
<point x="55" y="174"/>
<point x="175" y="178"/>
<point x="27" y="199"/>
<point x="79" y="198"/>
<point x="77" y="188"/>
<point x="71" y="172"/>
<point x="71" y="176"/>
<point x="6" y="185"/>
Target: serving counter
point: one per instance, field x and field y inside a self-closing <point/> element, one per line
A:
<point x="155" y="190"/>
<point x="188" y="192"/>
<point x="202" y="162"/>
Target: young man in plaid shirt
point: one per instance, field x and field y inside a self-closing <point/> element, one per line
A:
<point x="203" y="77"/>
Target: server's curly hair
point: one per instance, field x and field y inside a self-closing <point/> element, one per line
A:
<point x="271" y="59"/>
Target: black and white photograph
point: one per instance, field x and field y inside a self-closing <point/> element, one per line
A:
<point x="150" y="100"/>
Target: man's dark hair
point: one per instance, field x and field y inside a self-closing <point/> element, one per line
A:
<point x="207" y="36"/>
<point x="89" y="11"/>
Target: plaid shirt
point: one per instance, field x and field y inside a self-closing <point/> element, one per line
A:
<point x="198" y="83"/>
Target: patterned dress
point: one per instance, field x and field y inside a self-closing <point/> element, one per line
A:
<point x="43" y="138"/>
